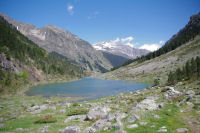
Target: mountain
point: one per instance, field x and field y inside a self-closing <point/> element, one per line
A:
<point x="189" y="32"/>
<point x="54" y="39"/>
<point x="115" y="60"/>
<point x="182" y="47"/>
<point x="22" y="61"/>
<point x="126" y="51"/>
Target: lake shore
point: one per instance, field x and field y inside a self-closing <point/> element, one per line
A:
<point x="145" y="110"/>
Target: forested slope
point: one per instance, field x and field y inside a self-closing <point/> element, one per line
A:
<point x="22" y="61"/>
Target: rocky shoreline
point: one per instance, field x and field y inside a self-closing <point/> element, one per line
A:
<point x="153" y="109"/>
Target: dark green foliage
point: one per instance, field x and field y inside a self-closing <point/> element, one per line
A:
<point x="156" y="82"/>
<point x="190" y="70"/>
<point x="198" y="65"/>
<point x="186" y="34"/>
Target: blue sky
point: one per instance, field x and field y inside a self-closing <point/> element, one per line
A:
<point x="148" y="22"/>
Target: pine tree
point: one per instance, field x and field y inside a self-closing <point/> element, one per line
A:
<point x="193" y="66"/>
<point x="198" y="65"/>
<point x="188" y="70"/>
<point x="178" y="74"/>
<point x="171" y="78"/>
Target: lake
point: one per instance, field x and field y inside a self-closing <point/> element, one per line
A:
<point x="90" y="88"/>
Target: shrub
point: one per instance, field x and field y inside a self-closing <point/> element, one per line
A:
<point x="77" y="112"/>
<point x="156" y="82"/>
<point x="75" y="104"/>
<point x="24" y="75"/>
<point x="46" y="119"/>
<point x="164" y="89"/>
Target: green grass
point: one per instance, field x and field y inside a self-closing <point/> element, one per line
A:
<point x="170" y="119"/>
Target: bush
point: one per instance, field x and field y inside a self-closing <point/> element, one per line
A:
<point x="23" y="75"/>
<point x="46" y="119"/>
<point x="164" y="89"/>
<point x="156" y="82"/>
<point x="77" y="112"/>
<point x="75" y="104"/>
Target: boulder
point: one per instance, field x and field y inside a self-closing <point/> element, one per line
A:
<point x="2" y="119"/>
<point x="147" y="104"/>
<point x="132" y="126"/>
<point x="156" y="116"/>
<point x="131" y="119"/>
<point x="190" y="93"/>
<point x="98" y="113"/>
<point x="182" y="130"/>
<point x="143" y="123"/>
<point x="2" y="126"/>
<point x="171" y="92"/>
<point x="162" y="129"/>
<point x="62" y="111"/>
<point x="75" y="117"/>
<point x="71" y="129"/>
<point x="44" y="129"/>
<point x="100" y="124"/>
<point x="89" y="130"/>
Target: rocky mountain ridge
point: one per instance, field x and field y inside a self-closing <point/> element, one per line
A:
<point x="54" y="39"/>
<point x="126" y="51"/>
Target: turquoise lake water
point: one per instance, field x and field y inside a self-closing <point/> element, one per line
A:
<point x="90" y="88"/>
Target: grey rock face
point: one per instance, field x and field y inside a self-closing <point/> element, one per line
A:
<point x="54" y="39"/>
<point x="6" y="64"/>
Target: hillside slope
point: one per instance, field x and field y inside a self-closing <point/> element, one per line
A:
<point x="22" y="61"/>
<point x="156" y="68"/>
<point x="114" y="59"/>
<point x="54" y="39"/>
<point x="187" y="33"/>
<point x="157" y="65"/>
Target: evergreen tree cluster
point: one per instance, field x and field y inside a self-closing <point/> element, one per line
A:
<point x="190" y="70"/>
<point x="188" y="33"/>
<point x="19" y="48"/>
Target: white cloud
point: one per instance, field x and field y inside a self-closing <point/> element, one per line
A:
<point x="161" y="42"/>
<point x="152" y="47"/>
<point x="128" y="39"/>
<point x="123" y="41"/>
<point x="70" y="9"/>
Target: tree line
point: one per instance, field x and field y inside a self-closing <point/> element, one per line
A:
<point x="190" y="70"/>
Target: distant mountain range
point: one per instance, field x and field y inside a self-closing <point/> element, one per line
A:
<point x="62" y="42"/>
<point x="126" y="51"/>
